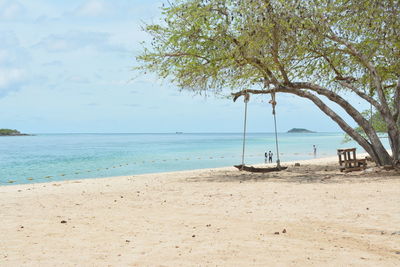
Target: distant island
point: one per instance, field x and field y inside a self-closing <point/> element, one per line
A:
<point x="300" y="130"/>
<point x="9" y="132"/>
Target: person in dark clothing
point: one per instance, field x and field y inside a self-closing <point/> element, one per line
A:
<point x="270" y="154"/>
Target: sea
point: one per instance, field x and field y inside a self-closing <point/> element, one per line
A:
<point x="57" y="157"/>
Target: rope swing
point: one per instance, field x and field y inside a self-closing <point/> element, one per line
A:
<point x="243" y="167"/>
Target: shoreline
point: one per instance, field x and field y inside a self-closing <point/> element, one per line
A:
<point x="66" y="156"/>
<point x="307" y="215"/>
<point x="313" y="161"/>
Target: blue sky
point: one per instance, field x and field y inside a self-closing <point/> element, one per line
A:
<point x="66" y="66"/>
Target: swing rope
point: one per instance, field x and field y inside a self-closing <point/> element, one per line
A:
<point x="246" y="100"/>
<point x="273" y="103"/>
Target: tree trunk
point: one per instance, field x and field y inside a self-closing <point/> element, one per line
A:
<point x="375" y="149"/>
<point x="355" y="114"/>
<point x="377" y="152"/>
<point x="395" y="146"/>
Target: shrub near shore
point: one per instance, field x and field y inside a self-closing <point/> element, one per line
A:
<point x="10" y="132"/>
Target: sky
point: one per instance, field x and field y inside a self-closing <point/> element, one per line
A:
<point x="67" y="67"/>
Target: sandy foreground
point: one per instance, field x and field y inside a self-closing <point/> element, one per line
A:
<point x="308" y="215"/>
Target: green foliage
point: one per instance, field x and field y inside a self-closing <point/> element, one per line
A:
<point x="376" y="121"/>
<point x="9" y="132"/>
<point x="212" y="45"/>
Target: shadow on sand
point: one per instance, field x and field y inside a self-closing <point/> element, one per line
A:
<point x="301" y="174"/>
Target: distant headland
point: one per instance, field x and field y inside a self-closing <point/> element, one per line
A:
<point x="299" y="130"/>
<point x="10" y="132"/>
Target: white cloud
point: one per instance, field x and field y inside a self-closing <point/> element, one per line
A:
<point x="11" y="52"/>
<point x="119" y="10"/>
<point x="58" y="45"/>
<point x="13" y="62"/>
<point x="10" y="10"/>
<point x="77" y="79"/>
<point x="92" y="8"/>
<point x="77" y="40"/>
<point x="3" y="55"/>
<point x="10" y="80"/>
<point x="9" y="76"/>
<point x="54" y="63"/>
<point x="8" y="39"/>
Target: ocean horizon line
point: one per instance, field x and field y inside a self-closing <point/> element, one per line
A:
<point x="178" y="132"/>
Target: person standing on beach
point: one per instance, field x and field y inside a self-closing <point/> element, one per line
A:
<point x="270" y="154"/>
<point x="315" y="150"/>
<point x="265" y="156"/>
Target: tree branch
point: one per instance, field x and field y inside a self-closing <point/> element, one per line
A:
<point x="251" y="91"/>
<point x="275" y="54"/>
<point x="354" y="113"/>
<point x="323" y="107"/>
<point x="393" y="130"/>
<point x="182" y="54"/>
<point x="364" y="60"/>
<point x="255" y="62"/>
<point x="354" y="52"/>
<point x="335" y="70"/>
<point x="363" y="95"/>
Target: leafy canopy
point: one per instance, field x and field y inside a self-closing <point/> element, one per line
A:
<point x="217" y="44"/>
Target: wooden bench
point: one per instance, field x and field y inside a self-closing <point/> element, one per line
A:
<point x="349" y="162"/>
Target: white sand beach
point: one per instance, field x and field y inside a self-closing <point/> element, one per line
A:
<point x="312" y="215"/>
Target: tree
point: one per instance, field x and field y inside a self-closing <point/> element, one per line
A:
<point x="316" y="49"/>
<point x="376" y="121"/>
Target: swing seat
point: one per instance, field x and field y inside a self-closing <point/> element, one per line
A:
<point x="255" y="169"/>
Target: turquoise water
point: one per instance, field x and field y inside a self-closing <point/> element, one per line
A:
<point x="55" y="157"/>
